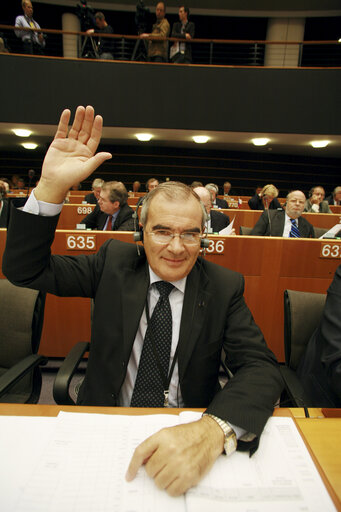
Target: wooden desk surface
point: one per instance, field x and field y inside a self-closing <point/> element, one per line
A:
<point x="322" y="435"/>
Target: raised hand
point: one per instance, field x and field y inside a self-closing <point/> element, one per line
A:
<point x="71" y="157"/>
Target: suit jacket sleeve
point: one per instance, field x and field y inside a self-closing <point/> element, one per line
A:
<point x="261" y="226"/>
<point x="176" y="30"/>
<point x="91" y="220"/>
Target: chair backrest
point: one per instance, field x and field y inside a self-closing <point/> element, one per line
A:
<point x="21" y="320"/>
<point x="319" y="231"/>
<point x="302" y="314"/>
<point x="243" y="230"/>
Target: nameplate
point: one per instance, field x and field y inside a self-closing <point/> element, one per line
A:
<point x="81" y="242"/>
<point x="84" y="210"/>
<point x="330" y="250"/>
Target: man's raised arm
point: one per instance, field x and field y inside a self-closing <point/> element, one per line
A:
<point x="71" y="157"/>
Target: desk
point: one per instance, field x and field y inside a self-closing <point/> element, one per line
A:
<point x="270" y="265"/>
<point x="321" y="435"/>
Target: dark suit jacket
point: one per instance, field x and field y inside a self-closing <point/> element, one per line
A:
<point x="219" y="220"/>
<point x="189" y="28"/>
<point x="97" y="219"/>
<point x="90" y="198"/>
<point x="320" y="368"/>
<point x="214" y="316"/>
<point x="277" y="218"/>
<point x="256" y="203"/>
<point x="4" y="214"/>
<point x="221" y="203"/>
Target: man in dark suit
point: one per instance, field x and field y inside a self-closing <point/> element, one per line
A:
<point x="320" y="368"/>
<point x="112" y="212"/>
<point x="183" y="29"/>
<point x="208" y="313"/>
<point x="216" y="202"/>
<point x="288" y="223"/>
<point x="216" y="221"/>
<point x="96" y="187"/>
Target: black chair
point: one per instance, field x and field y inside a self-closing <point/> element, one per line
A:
<point x="21" y="320"/>
<point x="61" y="386"/>
<point x="302" y="314"/>
<point x="319" y="231"/>
<point x="243" y="230"/>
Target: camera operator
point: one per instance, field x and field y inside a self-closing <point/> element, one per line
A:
<point x="33" y="42"/>
<point x="105" y="45"/>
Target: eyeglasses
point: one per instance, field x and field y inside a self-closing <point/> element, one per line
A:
<point x="163" y="236"/>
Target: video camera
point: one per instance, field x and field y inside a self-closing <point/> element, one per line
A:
<point x="141" y="17"/>
<point x="85" y="13"/>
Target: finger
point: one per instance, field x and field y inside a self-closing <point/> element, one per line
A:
<point x="63" y="124"/>
<point x="93" y="163"/>
<point x="77" y="123"/>
<point x="141" y="454"/>
<point x="96" y="134"/>
<point x="86" y="127"/>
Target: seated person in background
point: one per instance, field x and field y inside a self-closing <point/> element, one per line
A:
<point x="216" y="202"/>
<point x="105" y="45"/>
<point x="136" y="186"/>
<point x="227" y="188"/>
<point x="151" y="184"/>
<point x="315" y="203"/>
<point x="195" y="184"/>
<point x="199" y="304"/>
<point x="288" y="222"/>
<point x="320" y="367"/>
<point x="6" y="183"/>
<point x="96" y="188"/>
<point x="33" y="42"/>
<point x="4" y="206"/>
<point x="266" y="199"/>
<point x="21" y="183"/>
<point x="335" y="197"/>
<point x="216" y="221"/>
<point x="183" y="29"/>
<point x="111" y="212"/>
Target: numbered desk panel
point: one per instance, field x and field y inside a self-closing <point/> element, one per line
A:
<point x="73" y="214"/>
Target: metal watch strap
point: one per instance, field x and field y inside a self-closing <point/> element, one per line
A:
<point x="230" y="442"/>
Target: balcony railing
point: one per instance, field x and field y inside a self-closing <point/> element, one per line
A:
<point x="204" y="51"/>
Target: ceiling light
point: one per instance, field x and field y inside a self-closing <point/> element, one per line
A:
<point x="21" y="133"/>
<point x="319" y="143"/>
<point x="29" y="145"/>
<point x="260" y="141"/>
<point x="200" y="139"/>
<point x="144" y="137"/>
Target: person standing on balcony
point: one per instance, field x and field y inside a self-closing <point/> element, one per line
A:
<point x="181" y="53"/>
<point x="33" y="43"/>
<point x="158" y="50"/>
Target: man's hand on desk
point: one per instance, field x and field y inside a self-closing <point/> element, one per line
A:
<point x="71" y="157"/>
<point x="178" y="457"/>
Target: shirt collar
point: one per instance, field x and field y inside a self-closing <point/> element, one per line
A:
<point x="180" y="285"/>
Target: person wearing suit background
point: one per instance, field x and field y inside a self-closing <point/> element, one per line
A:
<point x="207" y="308"/>
<point x="316" y="203"/>
<point x="216" y="221"/>
<point x="216" y="201"/>
<point x="182" y="29"/>
<point x="266" y="199"/>
<point x="280" y="222"/>
<point x="112" y="212"/>
<point x="96" y="187"/>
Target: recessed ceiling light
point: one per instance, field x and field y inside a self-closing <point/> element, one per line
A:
<point x="21" y="133"/>
<point x="260" y="141"/>
<point x="29" y="145"/>
<point x="144" y="137"/>
<point x="319" y="143"/>
<point x="200" y="139"/>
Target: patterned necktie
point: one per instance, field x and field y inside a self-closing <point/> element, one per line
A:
<point x="109" y="223"/>
<point x="294" y="232"/>
<point x="149" y="386"/>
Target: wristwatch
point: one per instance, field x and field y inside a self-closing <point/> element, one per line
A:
<point x="230" y="442"/>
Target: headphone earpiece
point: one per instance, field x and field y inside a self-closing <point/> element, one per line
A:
<point x="204" y="243"/>
<point x="138" y="236"/>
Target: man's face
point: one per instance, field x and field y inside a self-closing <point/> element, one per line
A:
<point x="97" y="191"/>
<point x="182" y="14"/>
<point x="319" y="194"/>
<point x="106" y="205"/>
<point x="295" y="204"/>
<point x="227" y="188"/>
<point x="205" y="198"/>
<point x="338" y="195"/>
<point x="160" y="11"/>
<point x="174" y="260"/>
<point x="28" y="9"/>
<point x="100" y="23"/>
<point x="153" y="184"/>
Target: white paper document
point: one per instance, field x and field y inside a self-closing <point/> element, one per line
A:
<point x="83" y="464"/>
<point x="332" y="231"/>
<point x="228" y="229"/>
